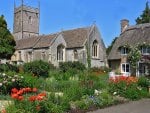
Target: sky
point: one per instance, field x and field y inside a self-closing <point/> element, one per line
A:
<point x="56" y="15"/>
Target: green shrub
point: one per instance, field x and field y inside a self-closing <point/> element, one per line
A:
<point x="30" y="81"/>
<point x="38" y="68"/>
<point x="8" y="67"/>
<point x="103" y="69"/>
<point x="7" y="82"/>
<point x="144" y="82"/>
<point x="132" y="92"/>
<point x="65" y="66"/>
<point x="74" y="92"/>
<point x="106" y="69"/>
<point x="119" y="88"/>
<point x="105" y="99"/>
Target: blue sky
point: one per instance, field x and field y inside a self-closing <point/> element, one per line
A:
<point x="56" y="15"/>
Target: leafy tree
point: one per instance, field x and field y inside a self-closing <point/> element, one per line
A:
<point x="111" y="45"/>
<point x="7" y="41"/>
<point x="145" y="16"/>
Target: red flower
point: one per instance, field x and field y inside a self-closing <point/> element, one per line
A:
<point x="39" y="98"/>
<point x="42" y="94"/>
<point x="28" y="89"/>
<point x="20" y="98"/>
<point x="34" y="90"/>
<point x="20" y="92"/>
<point x="32" y="98"/>
<point x="14" y="90"/>
<point x="15" y="96"/>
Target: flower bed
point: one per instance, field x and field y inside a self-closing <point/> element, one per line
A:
<point x="128" y="87"/>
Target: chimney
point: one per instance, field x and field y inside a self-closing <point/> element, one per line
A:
<point x="124" y="24"/>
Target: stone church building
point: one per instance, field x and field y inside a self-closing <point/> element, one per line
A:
<point x="66" y="45"/>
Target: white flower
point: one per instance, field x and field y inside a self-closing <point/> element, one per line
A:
<point x="15" y="75"/>
<point x="114" y="93"/>
<point x="5" y="81"/>
<point x="58" y="94"/>
<point x="21" y="77"/>
<point x="96" y="92"/>
<point x="13" y="80"/>
<point x="1" y="84"/>
<point x="139" y="88"/>
<point x="3" y="74"/>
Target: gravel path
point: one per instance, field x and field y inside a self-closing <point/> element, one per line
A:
<point x="141" y="106"/>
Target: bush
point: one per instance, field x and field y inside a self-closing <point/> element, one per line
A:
<point x="30" y="81"/>
<point x="144" y="82"/>
<point x="38" y="68"/>
<point x="7" y="82"/>
<point x="100" y="70"/>
<point x="8" y="67"/>
<point x="65" y="66"/>
<point x="132" y="92"/>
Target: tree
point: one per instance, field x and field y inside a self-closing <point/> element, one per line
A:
<point x="145" y="16"/>
<point x="7" y="42"/>
<point x="111" y="45"/>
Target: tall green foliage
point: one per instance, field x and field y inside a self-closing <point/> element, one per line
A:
<point x="7" y="41"/>
<point x="145" y="16"/>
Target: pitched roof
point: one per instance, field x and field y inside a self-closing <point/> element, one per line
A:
<point x="132" y="35"/>
<point x="75" y="37"/>
<point x="26" y="43"/>
<point x="35" y="42"/>
<point x="44" y="40"/>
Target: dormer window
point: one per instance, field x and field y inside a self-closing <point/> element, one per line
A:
<point x="124" y="51"/>
<point x="145" y="50"/>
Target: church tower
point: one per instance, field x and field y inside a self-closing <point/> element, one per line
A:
<point x="26" y="22"/>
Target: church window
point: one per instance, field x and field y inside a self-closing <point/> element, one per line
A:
<point x="19" y="55"/>
<point x="95" y="49"/>
<point x="60" y="53"/>
<point x="75" y="54"/>
<point x="43" y="55"/>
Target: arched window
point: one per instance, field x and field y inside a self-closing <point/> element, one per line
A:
<point x="60" y="53"/>
<point x="43" y="55"/>
<point x="19" y="52"/>
<point x="75" y="52"/>
<point x="95" y="49"/>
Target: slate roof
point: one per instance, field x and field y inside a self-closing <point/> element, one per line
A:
<point x="73" y="38"/>
<point x="44" y="41"/>
<point x="132" y="35"/>
<point x="26" y="43"/>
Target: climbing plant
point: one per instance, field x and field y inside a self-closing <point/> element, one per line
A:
<point x="134" y="56"/>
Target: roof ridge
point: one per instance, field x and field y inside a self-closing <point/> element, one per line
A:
<point x="138" y="26"/>
<point x="76" y="29"/>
